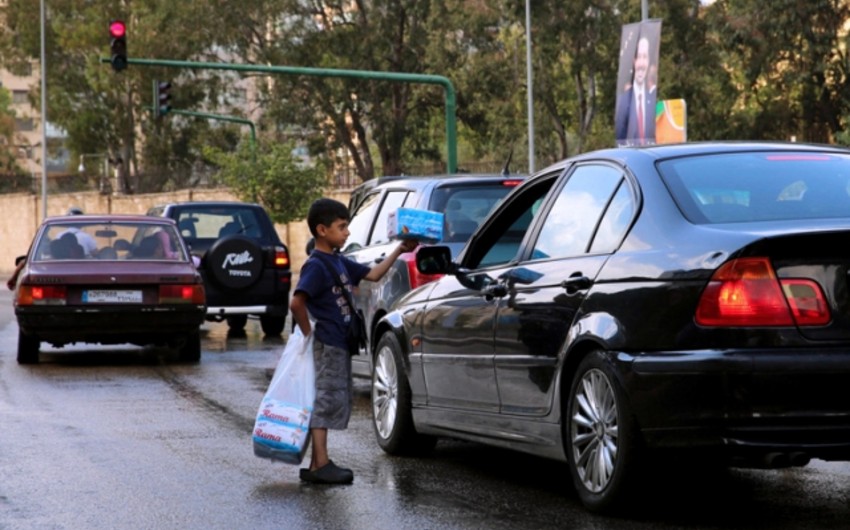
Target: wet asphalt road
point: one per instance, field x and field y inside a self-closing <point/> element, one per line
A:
<point x="122" y="437"/>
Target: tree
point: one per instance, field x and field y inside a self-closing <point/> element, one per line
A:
<point x="575" y="78"/>
<point x="747" y="71"/>
<point x="368" y="120"/>
<point x="101" y="110"/>
<point x="8" y="164"/>
<point x="789" y="60"/>
<point x="272" y="177"/>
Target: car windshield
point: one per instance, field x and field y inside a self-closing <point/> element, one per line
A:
<point x="466" y="206"/>
<point x="109" y="241"/>
<point x="760" y="186"/>
<point x="211" y="223"/>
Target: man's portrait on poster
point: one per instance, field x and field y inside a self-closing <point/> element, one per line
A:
<point x="634" y="122"/>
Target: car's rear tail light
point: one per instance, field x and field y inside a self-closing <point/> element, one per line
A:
<point x="808" y="304"/>
<point x="42" y="295"/>
<point x="416" y="277"/>
<point x="182" y="294"/>
<point x="746" y="292"/>
<point x="281" y="257"/>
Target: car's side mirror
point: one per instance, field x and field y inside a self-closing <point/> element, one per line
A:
<point x="435" y="259"/>
<point x="19" y="259"/>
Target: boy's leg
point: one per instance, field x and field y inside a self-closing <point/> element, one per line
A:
<point x="322" y="470"/>
<point x="319" y="456"/>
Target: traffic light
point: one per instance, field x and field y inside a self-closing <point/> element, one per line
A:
<point x="162" y="100"/>
<point x="118" y="44"/>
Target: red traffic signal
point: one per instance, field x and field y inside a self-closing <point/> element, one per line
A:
<point x="118" y="44"/>
<point x="117" y="29"/>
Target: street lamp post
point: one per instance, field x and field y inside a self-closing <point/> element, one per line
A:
<point x="529" y="78"/>
<point x="42" y="17"/>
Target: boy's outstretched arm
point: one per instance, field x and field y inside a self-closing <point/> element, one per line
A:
<point x="298" y="306"/>
<point x="378" y="271"/>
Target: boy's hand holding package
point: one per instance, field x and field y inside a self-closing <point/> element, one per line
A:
<point x="408" y="245"/>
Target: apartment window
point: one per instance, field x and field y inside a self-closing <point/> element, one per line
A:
<point x="20" y="97"/>
<point x="24" y="124"/>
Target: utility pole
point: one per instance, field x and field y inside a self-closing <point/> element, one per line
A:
<point x="43" y="116"/>
<point x="529" y="82"/>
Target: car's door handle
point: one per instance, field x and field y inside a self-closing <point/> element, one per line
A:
<point x="380" y="258"/>
<point x="576" y="282"/>
<point x="495" y="290"/>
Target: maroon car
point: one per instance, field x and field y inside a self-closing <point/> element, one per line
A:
<point x="109" y="279"/>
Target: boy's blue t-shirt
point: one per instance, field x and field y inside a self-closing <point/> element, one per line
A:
<point x="325" y="301"/>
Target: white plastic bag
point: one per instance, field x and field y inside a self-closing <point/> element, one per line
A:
<point x="282" y="428"/>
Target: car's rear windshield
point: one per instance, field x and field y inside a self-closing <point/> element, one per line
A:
<point x="466" y="205"/>
<point x="207" y="224"/>
<point x="759" y="186"/>
<point x="109" y="241"/>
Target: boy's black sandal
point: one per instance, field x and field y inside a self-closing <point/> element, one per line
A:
<point x="327" y="474"/>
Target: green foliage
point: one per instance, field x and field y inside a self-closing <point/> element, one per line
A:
<point x="101" y="110"/>
<point x="747" y="70"/>
<point x="8" y="164"/>
<point x="272" y="177"/>
<point x="788" y="62"/>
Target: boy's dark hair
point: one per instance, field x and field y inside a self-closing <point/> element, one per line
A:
<point x="325" y="212"/>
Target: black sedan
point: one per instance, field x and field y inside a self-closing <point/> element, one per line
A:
<point x="687" y="299"/>
<point x="109" y="279"/>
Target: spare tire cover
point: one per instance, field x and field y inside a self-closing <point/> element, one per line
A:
<point x="235" y="261"/>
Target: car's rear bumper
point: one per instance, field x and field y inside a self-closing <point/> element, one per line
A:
<point x="745" y="402"/>
<point x="223" y="311"/>
<point x="110" y="324"/>
<point x="257" y="300"/>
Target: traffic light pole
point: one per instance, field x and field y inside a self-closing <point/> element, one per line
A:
<point x="451" y="100"/>
<point x="221" y="117"/>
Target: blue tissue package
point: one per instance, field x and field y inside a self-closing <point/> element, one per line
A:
<point x="411" y="223"/>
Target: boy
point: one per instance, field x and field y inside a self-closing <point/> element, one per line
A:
<point x="317" y="292"/>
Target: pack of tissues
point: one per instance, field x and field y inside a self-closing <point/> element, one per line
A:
<point x="411" y="223"/>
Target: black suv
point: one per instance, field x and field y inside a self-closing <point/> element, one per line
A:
<point x="244" y="264"/>
<point x="464" y="200"/>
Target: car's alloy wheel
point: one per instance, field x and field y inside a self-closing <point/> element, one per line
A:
<point x="600" y="435"/>
<point x="391" y="402"/>
<point x="385" y="393"/>
<point x="28" y="346"/>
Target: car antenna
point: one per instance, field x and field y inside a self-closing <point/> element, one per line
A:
<point x="505" y="170"/>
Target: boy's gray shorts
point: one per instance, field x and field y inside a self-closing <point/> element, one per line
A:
<point x="332" y="408"/>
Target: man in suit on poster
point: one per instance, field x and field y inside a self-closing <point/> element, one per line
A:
<point x="634" y="123"/>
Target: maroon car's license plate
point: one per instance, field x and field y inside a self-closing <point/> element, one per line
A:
<point x="95" y="296"/>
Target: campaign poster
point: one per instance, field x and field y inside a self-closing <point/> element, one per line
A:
<point x="637" y="83"/>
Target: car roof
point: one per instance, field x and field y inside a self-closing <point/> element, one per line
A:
<point x="731" y="146"/>
<point x="420" y="181"/>
<point x="102" y="218"/>
<point x="204" y="204"/>
<point x="660" y="151"/>
<point x="656" y="152"/>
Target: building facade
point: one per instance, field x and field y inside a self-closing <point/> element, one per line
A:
<point x="28" y="123"/>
